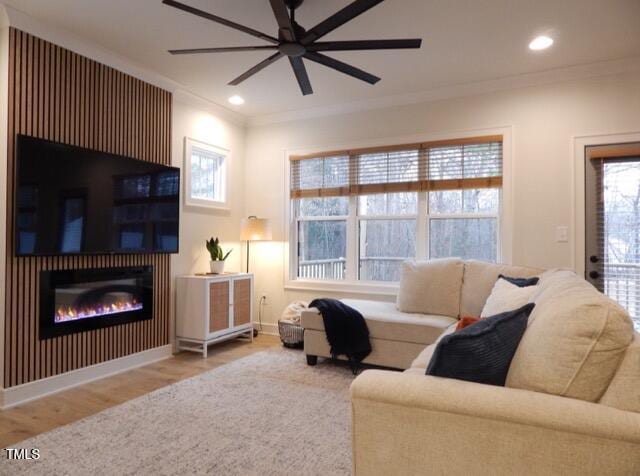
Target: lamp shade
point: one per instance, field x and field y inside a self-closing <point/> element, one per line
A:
<point x="255" y="229"/>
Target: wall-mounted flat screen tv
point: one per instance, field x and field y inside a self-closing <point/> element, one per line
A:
<point x="73" y="201"/>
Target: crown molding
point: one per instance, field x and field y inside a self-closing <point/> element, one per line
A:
<point x="28" y="24"/>
<point x="570" y="73"/>
<point x="10" y="17"/>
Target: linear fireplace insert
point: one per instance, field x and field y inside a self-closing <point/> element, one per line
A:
<point x="84" y="299"/>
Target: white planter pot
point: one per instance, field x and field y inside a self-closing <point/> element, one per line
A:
<point x="217" y="267"/>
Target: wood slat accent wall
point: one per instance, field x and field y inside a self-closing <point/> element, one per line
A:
<point x="59" y="95"/>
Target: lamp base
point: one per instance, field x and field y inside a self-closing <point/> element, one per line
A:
<point x="247" y="256"/>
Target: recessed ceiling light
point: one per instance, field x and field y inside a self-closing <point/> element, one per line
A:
<point x="540" y="43"/>
<point x="236" y="100"/>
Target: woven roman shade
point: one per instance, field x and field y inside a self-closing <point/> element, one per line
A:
<point x="442" y="165"/>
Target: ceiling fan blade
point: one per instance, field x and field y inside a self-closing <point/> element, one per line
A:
<point x="284" y="22"/>
<point x="342" y="67"/>
<point x="259" y="67"/>
<point x="301" y="75"/>
<point x="364" y="45"/>
<point x="229" y="49"/>
<point x="222" y="21"/>
<point x="338" y="19"/>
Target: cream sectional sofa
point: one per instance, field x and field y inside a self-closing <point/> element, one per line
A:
<point x="571" y="404"/>
<point x="397" y="337"/>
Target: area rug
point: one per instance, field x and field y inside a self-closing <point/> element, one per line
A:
<point x="267" y="414"/>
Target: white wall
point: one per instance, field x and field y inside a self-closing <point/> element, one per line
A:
<point x="198" y="120"/>
<point x="197" y="224"/>
<point x="544" y="120"/>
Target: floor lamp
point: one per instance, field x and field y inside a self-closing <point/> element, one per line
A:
<point x="255" y="229"/>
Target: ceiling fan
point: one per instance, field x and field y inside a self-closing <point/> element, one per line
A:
<point x="295" y="42"/>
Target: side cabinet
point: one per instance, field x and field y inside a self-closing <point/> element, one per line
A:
<point x="213" y="308"/>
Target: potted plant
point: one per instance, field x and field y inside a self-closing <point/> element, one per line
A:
<point x="217" y="256"/>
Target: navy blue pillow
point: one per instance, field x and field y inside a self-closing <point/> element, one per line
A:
<point x="481" y="352"/>
<point x="520" y="282"/>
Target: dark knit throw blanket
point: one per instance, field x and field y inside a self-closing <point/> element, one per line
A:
<point x="346" y="331"/>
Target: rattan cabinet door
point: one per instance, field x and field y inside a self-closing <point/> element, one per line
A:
<point x="218" y="306"/>
<point x="241" y="301"/>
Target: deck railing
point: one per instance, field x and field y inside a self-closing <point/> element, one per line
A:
<point x="331" y="269"/>
<point x="371" y="269"/>
<point x="622" y="284"/>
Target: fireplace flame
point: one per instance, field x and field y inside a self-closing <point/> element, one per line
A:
<point x="70" y="313"/>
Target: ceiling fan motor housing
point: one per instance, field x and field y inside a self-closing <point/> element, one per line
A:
<point x="293" y="4"/>
<point x="292" y="50"/>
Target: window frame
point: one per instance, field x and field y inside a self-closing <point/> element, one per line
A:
<point x="387" y="290"/>
<point x="191" y="201"/>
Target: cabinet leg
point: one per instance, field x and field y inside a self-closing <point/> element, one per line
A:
<point x="312" y="360"/>
<point x="204" y="351"/>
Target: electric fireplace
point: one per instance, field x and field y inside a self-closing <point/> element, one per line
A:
<point x="84" y="299"/>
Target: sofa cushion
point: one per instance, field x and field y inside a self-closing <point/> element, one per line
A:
<point x="386" y="322"/>
<point x="414" y="371"/>
<point x="422" y="361"/>
<point x="478" y="280"/>
<point x="575" y="340"/>
<point x="431" y="287"/>
<point x="482" y="352"/>
<point x="506" y="297"/>
<point x="624" y="390"/>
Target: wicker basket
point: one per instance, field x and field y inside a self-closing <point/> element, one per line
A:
<point x="291" y="333"/>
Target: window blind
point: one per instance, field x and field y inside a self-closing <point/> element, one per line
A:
<point x="442" y="165"/>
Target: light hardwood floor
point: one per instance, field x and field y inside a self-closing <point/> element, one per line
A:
<point x="33" y="418"/>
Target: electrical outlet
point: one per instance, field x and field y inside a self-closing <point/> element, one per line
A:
<point x="263" y="299"/>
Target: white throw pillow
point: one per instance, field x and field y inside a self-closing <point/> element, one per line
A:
<point x="506" y="297"/>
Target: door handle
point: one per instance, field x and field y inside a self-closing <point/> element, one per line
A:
<point x="594" y="275"/>
<point x="594" y="259"/>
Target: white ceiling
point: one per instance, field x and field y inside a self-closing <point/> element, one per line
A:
<point x="464" y="41"/>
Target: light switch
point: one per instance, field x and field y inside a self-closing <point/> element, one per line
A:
<point x="562" y="234"/>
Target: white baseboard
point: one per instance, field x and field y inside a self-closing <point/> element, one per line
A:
<point x="268" y="329"/>
<point x="12" y="396"/>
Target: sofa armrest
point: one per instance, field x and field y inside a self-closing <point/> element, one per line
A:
<point x="310" y="318"/>
<point x="405" y="423"/>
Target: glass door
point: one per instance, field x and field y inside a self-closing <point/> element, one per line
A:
<point x="613" y="224"/>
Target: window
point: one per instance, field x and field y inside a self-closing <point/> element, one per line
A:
<point x="464" y="223"/>
<point x="387" y="234"/>
<point x="322" y="221"/>
<point x="357" y="215"/>
<point x="206" y="175"/>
